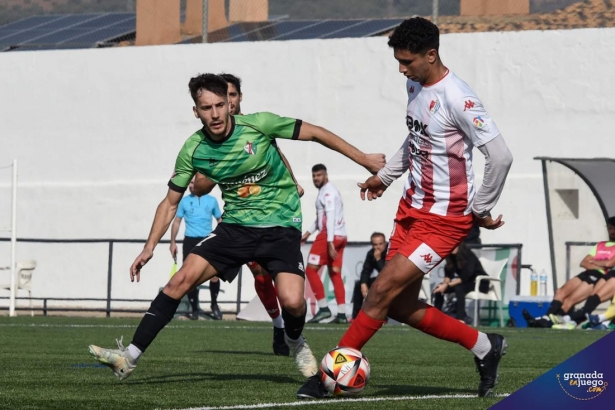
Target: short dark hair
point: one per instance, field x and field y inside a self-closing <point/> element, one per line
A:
<point x="611" y="221"/>
<point x="230" y="78"/>
<point x="417" y="35"/>
<point x="377" y="234"/>
<point x="319" y="167"/>
<point x="209" y="82"/>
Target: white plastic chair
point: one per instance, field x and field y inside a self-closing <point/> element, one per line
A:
<point x="23" y="270"/>
<point x="494" y="270"/>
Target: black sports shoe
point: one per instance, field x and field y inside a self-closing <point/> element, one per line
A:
<point x="312" y="389"/>
<point x="322" y="314"/>
<point x="340" y="318"/>
<point x="280" y="348"/>
<point x="488" y="366"/>
<point x="215" y="311"/>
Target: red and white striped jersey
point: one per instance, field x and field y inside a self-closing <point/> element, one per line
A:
<point x="329" y="213"/>
<point x="445" y="121"/>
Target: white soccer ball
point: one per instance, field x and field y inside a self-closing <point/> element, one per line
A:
<point x="345" y="371"/>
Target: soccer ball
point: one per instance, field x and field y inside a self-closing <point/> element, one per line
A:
<point x="344" y="371"/>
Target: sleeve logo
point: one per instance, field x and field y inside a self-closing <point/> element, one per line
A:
<point x="468" y="105"/>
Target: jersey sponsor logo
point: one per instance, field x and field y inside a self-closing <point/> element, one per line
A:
<point x="250" y="148"/>
<point x="468" y="105"/>
<point x="416" y="126"/>
<point x="246" y="180"/>
<point x="415" y="150"/>
<point x="434" y="106"/>
<point x="212" y="161"/>
<point x="296" y="219"/>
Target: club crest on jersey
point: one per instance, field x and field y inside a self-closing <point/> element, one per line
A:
<point x="250" y="148"/>
<point x="434" y="106"/>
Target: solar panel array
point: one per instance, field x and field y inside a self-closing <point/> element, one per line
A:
<point x="57" y="31"/>
<point x="302" y="29"/>
<point x="62" y="31"/>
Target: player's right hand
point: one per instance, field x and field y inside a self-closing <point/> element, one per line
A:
<point x="372" y="188"/>
<point x="142" y="259"/>
<point x="490" y="223"/>
<point x="374" y="162"/>
<point x="173" y="249"/>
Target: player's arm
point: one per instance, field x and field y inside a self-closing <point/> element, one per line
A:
<point x="476" y="123"/>
<point x="174" y="230"/>
<point x="313" y="228"/>
<point x="588" y="263"/>
<point x="202" y="184"/>
<point x="330" y="218"/>
<point x="372" y="162"/>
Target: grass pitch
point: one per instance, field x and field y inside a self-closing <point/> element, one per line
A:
<point x="45" y="364"/>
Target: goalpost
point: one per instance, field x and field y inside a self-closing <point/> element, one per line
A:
<point x="13" y="230"/>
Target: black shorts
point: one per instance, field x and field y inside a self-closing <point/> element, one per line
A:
<point x="229" y="246"/>
<point x="590" y="276"/>
<point x="609" y="275"/>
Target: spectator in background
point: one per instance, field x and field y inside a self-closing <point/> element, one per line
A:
<point x="198" y="212"/>
<point x="373" y="264"/>
<point x="589" y="284"/>
<point x="473" y="237"/>
<point x="460" y="273"/>
<point x="328" y="248"/>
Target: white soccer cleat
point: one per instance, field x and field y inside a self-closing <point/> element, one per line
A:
<point x="304" y="358"/>
<point x="119" y="360"/>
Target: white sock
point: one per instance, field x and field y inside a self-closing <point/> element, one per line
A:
<point x="601" y="317"/>
<point x="341" y="309"/>
<point x="134" y="351"/>
<point x="322" y="303"/>
<point x="278" y="322"/>
<point x="482" y="346"/>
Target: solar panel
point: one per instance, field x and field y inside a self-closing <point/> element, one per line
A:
<point x="365" y="29"/>
<point x="83" y="30"/>
<point x="302" y="29"/>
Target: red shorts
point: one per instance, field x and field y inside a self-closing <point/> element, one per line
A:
<point x="425" y="238"/>
<point x="319" y="254"/>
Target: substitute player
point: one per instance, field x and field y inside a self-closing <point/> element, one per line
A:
<point x="328" y="248"/>
<point x="261" y="220"/>
<point x="445" y="120"/>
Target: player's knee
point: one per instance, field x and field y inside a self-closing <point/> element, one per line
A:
<point x="179" y="285"/>
<point x="293" y="302"/>
<point x="379" y="295"/>
<point x="559" y="295"/>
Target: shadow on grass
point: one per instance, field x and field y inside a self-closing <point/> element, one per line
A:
<point x="408" y="390"/>
<point x="195" y="377"/>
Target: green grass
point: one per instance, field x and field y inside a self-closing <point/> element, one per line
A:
<point x="45" y="364"/>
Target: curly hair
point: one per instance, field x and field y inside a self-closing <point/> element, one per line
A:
<point x="230" y="78"/>
<point x="209" y="82"/>
<point x="417" y="35"/>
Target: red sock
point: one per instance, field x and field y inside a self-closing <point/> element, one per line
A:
<point x="442" y="326"/>
<point x="267" y="294"/>
<point x="360" y="331"/>
<point x="338" y="287"/>
<point x="315" y="283"/>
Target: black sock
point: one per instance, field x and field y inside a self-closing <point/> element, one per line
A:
<point x="591" y="304"/>
<point x="293" y="325"/>
<point x="193" y="297"/>
<point x="160" y="313"/>
<point x="214" y="289"/>
<point x="554" y="308"/>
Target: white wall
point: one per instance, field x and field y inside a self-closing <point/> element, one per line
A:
<point x="96" y="132"/>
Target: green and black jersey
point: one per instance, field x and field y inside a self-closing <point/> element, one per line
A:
<point x="257" y="187"/>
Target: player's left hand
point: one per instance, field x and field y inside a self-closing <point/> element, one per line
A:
<point x="490" y="223"/>
<point x="332" y="251"/>
<point x="142" y="259"/>
<point x="374" y="162"/>
<point x="300" y="190"/>
<point x="373" y="188"/>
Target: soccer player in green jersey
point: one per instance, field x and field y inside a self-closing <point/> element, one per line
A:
<point x="261" y="220"/>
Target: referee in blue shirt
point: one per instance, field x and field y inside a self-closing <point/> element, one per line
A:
<point x="198" y="213"/>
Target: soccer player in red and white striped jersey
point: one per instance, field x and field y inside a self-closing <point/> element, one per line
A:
<point x="445" y="120"/>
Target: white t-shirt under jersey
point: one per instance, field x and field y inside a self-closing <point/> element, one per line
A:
<point x="329" y="213"/>
<point x="445" y="121"/>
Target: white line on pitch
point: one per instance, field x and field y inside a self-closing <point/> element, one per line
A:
<point x="329" y="401"/>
